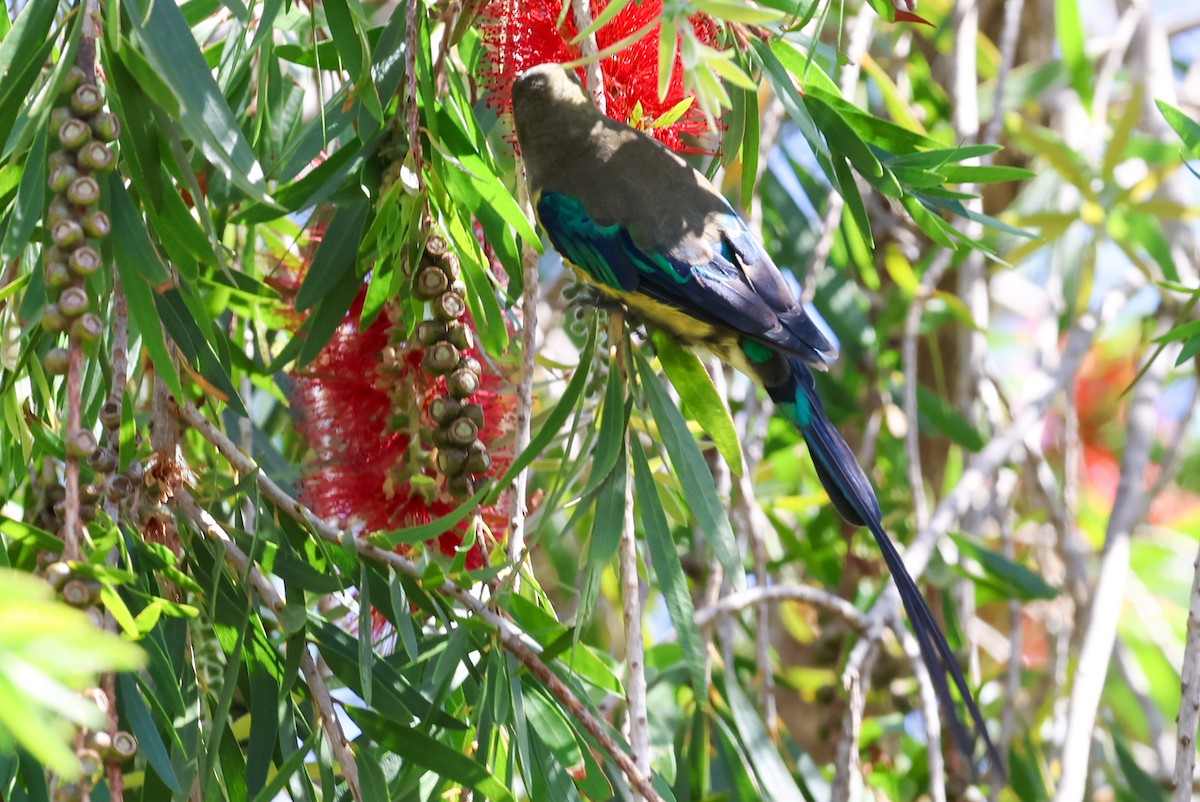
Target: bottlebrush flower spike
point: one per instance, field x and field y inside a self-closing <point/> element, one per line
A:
<point x="363" y="405"/>
<point x="520" y="34"/>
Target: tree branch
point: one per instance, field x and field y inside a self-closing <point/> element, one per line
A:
<point x="512" y="638"/>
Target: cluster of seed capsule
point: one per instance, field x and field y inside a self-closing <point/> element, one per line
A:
<point x="96" y="747"/>
<point x="460" y="455"/>
<point x="83" y="130"/>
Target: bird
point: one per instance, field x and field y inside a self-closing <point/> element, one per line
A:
<point x="637" y="223"/>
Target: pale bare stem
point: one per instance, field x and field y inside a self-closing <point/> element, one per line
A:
<point x="1006" y="486"/>
<point x="929" y="712"/>
<point x="712" y="598"/>
<point x="1114" y="59"/>
<point x="529" y="330"/>
<point x="635" y="648"/>
<point x="912" y="332"/>
<point x="774" y="594"/>
<point x="847" y="781"/>
<point x="588" y="50"/>
<point x="313" y="668"/>
<point x="120" y="368"/>
<point x="412" y="113"/>
<point x="1008" y="51"/>
<point x="862" y="28"/>
<point x="1108" y="595"/>
<point x="512" y="638"/>
<point x="631" y="590"/>
<point x="1189" y="702"/>
<point x="1161" y="744"/>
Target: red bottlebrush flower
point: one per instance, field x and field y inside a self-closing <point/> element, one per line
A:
<point x="524" y="33"/>
<point x="363" y="405"/>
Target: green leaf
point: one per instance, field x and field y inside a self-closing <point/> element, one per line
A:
<point x="150" y="744"/>
<point x="168" y="43"/>
<point x="667" y="565"/>
<point x="22" y="54"/>
<point x="738" y="12"/>
<point x="699" y="398"/>
<point x="1068" y="23"/>
<point x="694" y="475"/>
<point x="417" y="747"/>
<point x="337" y="253"/>
<point x="30" y="200"/>
<point x="1006" y="576"/>
<point x="772" y="773"/>
<point x="1187" y="128"/>
<point x="419" y="534"/>
<point x="937" y="414"/>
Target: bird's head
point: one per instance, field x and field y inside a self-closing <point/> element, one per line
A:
<point x="539" y="90"/>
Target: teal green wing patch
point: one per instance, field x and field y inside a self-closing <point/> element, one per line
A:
<point x="603" y="252"/>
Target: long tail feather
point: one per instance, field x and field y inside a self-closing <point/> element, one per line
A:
<point x="852" y="495"/>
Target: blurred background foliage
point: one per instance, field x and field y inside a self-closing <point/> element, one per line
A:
<point x="991" y="206"/>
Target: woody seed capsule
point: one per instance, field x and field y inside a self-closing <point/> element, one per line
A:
<point x="75" y="593"/>
<point x="440" y="359"/>
<point x="87" y="327"/>
<point x="58" y="275"/>
<point x="81" y="443"/>
<point x="58" y="116"/>
<point x="104" y="460"/>
<point x="461" y="486"/>
<point x="474" y="412"/>
<point x="450" y="461"/>
<point x="118" y="487"/>
<point x="463" y="383"/>
<point x="73" y="133"/>
<point x="97" y="224"/>
<point x="463" y="432"/>
<point x="56" y="361"/>
<point x="53" y="319"/>
<point x="84" y="191"/>
<point x="59" y="210"/>
<point x="61" y="176"/>
<point x="430" y="331"/>
<point x="97" y="157"/>
<point x="444" y="409"/>
<point x="449" y="306"/>
<point x="105" y="126"/>
<point x="124" y="746"/>
<point x="460" y="335"/>
<point x="431" y="281"/>
<point x="73" y="79"/>
<point x="87" y="99"/>
<point x="110" y="414"/>
<point x="89" y="493"/>
<point x="478" y="459"/>
<point x="73" y="301"/>
<point x="84" y="260"/>
<point x="66" y="233"/>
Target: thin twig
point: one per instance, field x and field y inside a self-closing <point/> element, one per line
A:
<point x="1109" y="593"/>
<point x="773" y="594"/>
<point x="912" y="331"/>
<point x="631" y="591"/>
<point x="589" y="49"/>
<point x="512" y="638"/>
<point x="412" y="112"/>
<point x="847" y="782"/>
<point x="1189" y="702"/>
<point x="929" y="712"/>
<point x="529" y="329"/>
<point x="312" y="667"/>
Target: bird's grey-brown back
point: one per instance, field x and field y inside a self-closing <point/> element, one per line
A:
<point x="620" y="174"/>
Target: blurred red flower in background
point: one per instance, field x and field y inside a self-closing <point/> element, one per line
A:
<point x="520" y="34"/>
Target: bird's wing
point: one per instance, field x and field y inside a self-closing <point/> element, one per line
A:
<point x="731" y="285"/>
